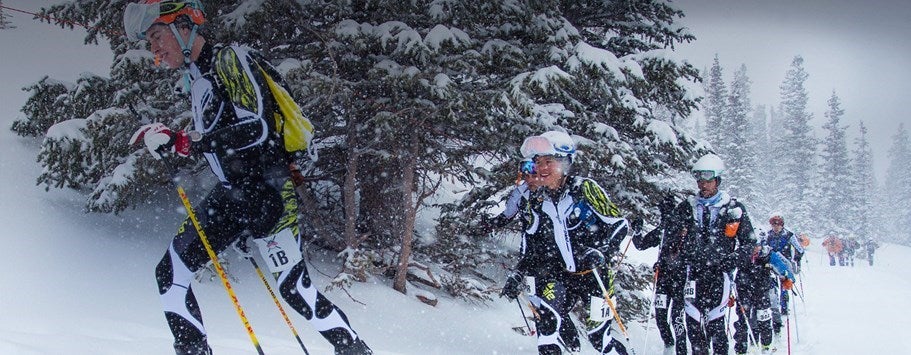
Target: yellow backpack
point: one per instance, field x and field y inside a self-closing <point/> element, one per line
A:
<point x="296" y="130"/>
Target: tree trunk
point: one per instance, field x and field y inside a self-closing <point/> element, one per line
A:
<point x="410" y="209"/>
<point x="350" y="189"/>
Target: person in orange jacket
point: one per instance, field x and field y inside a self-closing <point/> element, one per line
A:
<point x="834" y="247"/>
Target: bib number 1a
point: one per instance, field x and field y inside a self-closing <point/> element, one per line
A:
<point x="280" y="251"/>
<point x="598" y="310"/>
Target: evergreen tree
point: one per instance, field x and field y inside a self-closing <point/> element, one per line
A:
<point x="764" y="163"/>
<point x="5" y="23"/>
<point x="835" y="180"/>
<point x="897" y="196"/>
<point x="739" y="146"/>
<point x="408" y="97"/>
<point x="864" y="188"/>
<point x="716" y="106"/>
<point x="797" y="147"/>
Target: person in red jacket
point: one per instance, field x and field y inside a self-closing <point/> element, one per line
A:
<point x="834" y="247"/>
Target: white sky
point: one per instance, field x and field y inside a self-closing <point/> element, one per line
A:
<point x="860" y="49"/>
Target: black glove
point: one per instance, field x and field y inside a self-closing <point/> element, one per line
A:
<point x="242" y="249"/>
<point x="513" y="286"/>
<point x="666" y="206"/>
<point x="592" y="258"/>
<point x="635" y="226"/>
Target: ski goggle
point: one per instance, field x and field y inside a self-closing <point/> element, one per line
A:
<point x="527" y="167"/>
<point x="704" y="175"/>
<point x="138" y="17"/>
<point x="535" y="146"/>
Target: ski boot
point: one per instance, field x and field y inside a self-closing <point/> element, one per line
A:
<point x="356" y="348"/>
<point x="192" y="349"/>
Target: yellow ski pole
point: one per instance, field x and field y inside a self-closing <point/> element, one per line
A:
<point x="279" y="305"/>
<point x="218" y="269"/>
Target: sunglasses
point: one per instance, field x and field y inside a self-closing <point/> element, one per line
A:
<point x="703" y="175"/>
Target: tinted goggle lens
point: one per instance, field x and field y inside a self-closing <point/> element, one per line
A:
<point x="703" y="175"/>
<point x="527" y="167"/>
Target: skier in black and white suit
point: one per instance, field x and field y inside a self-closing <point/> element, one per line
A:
<point x="670" y="273"/>
<point x="234" y="111"/>
<point x="573" y="225"/>
<point x="719" y="237"/>
<point x="754" y="308"/>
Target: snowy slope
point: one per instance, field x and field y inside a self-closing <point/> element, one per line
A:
<point x="75" y="283"/>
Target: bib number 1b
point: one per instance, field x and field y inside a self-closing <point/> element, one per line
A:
<point x="280" y="251"/>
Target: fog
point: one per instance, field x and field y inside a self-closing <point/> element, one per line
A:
<point x="856" y="48"/>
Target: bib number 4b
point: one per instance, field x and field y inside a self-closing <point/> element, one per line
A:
<point x="280" y="251"/>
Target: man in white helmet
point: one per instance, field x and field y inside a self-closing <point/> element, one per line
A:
<point x="573" y="228"/>
<point x="719" y="237"/>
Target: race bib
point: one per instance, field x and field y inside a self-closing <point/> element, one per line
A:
<point x="599" y="311"/>
<point x="530" y="283"/>
<point x="660" y="301"/>
<point x="763" y="315"/>
<point x="689" y="292"/>
<point x="280" y="251"/>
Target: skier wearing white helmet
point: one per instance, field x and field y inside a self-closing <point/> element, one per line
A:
<point x="574" y="228"/>
<point x="719" y="237"/>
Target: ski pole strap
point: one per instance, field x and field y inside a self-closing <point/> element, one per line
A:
<point x="218" y="269"/>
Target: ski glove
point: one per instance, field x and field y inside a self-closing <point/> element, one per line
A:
<point x="635" y="226"/>
<point x="242" y="248"/>
<point x="158" y="139"/>
<point x="513" y="286"/>
<point x="593" y="258"/>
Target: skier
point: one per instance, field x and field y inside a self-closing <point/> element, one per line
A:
<point x="850" y="248"/>
<point x="871" y="245"/>
<point x="669" y="273"/>
<point x="233" y="117"/>
<point x="574" y="226"/>
<point x="754" y="308"/>
<point x="526" y="183"/>
<point x="833" y="247"/>
<point x="782" y="240"/>
<point x="719" y="236"/>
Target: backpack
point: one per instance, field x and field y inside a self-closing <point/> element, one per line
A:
<point x="295" y="129"/>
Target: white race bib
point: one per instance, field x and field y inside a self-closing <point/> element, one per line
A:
<point x="530" y="283"/>
<point x="660" y="301"/>
<point x="689" y="292"/>
<point x="763" y="315"/>
<point x="599" y="311"/>
<point x="280" y="251"/>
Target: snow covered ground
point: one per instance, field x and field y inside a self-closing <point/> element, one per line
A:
<point x="75" y="283"/>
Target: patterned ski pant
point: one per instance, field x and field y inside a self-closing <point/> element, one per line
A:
<point x="554" y="299"/>
<point x="226" y="215"/>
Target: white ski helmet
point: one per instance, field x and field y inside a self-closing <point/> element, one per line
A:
<point x="562" y="143"/>
<point x="710" y="166"/>
<point x="536" y="146"/>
